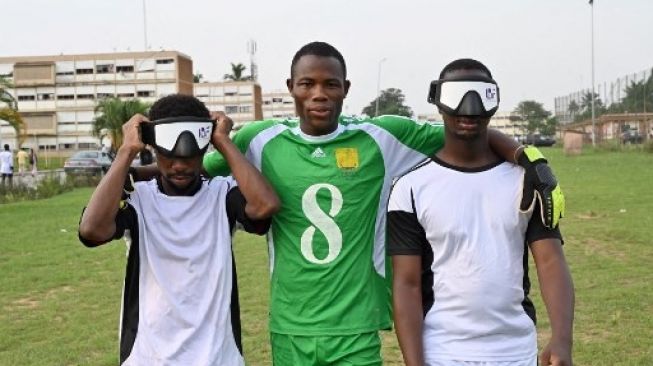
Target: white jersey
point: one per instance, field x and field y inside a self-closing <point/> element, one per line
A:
<point x="467" y="226"/>
<point x="185" y="278"/>
<point x="6" y="162"/>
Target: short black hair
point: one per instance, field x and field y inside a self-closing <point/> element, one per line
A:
<point x="7" y="147"/>
<point x="178" y="105"/>
<point x="321" y="49"/>
<point x="465" y="64"/>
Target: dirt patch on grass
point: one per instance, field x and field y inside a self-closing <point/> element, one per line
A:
<point x="53" y="292"/>
<point x="601" y="248"/>
<point x="24" y="303"/>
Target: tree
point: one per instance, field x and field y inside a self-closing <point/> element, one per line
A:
<point x="237" y="73"/>
<point x="9" y="113"/>
<point x="114" y="112"/>
<point x="573" y="108"/>
<point x="197" y="78"/>
<point x="14" y="119"/>
<point x="5" y="96"/>
<point x="548" y="128"/>
<point x="639" y="96"/>
<point x="391" y="101"/>
<point x="534" y="114"/>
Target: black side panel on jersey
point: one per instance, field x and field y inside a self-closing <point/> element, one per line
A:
<point x="236" y="212"/>
<point x="527" y="304"/>
<point x="406" y="236"/>
<point x="235" y="306"/>
<point x="129" y="321"/>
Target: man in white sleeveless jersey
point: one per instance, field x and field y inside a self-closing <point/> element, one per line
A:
<point x="459" y="241"/>
<point x="180" y="297"/>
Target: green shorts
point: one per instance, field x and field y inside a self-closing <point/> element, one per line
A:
<point x="346" y="350"/>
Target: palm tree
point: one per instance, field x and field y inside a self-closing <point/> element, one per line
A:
<point x="114" y="112"/>
<point x="14" y="119"/>
<point x="237" y="73"/>
<point x="573" y="108"/>
<point x="10" y="113"/>
<point x="5" y="96"/>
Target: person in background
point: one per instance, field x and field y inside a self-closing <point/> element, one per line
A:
<point x="7" y="165"/>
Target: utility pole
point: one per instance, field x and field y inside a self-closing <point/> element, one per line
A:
<point x="378" y="88"/>
<point x="144" y="27"/>
<point x="593" y="116"/>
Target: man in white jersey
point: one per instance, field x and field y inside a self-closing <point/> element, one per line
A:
<point x="180" y="298"/>
<point x="459" y="242"/>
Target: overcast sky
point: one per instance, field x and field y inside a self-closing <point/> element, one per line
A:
<point x="535" y="49"/>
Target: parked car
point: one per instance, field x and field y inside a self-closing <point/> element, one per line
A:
<point x="539" y="140"/>
<point x="631" y="137"/>
<point x="87" y="163"/>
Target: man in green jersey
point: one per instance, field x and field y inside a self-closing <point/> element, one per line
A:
<point x="329" y="295"/>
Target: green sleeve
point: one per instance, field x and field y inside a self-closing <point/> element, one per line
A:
<point x="425" y="137"/>
<point x="215" y="164"/>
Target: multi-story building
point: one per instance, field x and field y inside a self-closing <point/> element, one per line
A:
<point x="432" y="117"/>
<point x="278" y="104"/>
<point x="510" y="124"/>
<point x="240" y="100"/>
<point x="57" y="95"/>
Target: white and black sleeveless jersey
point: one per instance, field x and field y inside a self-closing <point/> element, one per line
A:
<point x="180" y="296"/>
<point x="467" y="227"/>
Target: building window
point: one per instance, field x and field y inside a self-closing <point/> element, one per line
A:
<point x="231" y="109"/>
<point x="83" y="71"/>
<point x="266" y="102"/>
<point x="26" y="97"/>
<point x="165" y="61"/>
<point x="123" y="69"/>
<point x="85" y="96"/>
<point x="104" y="69"/>
<point x="62" y="73"/>
<point x="47" y="147"/>
<point x="104" y="95"/>
<point x="245" y="109"/>
<point x="65" y="97"/>
<point x="125" y="95"/>
<point x="277" y="100"/>
<point x="66" y="146"/>
<point x="87" y="145"/>
<point x="229" y="94"/>
<point x="45" y="96"/>
<point x="144" y="93"/>
<point x="246" y="93"/>
<point x="288" y="102"/>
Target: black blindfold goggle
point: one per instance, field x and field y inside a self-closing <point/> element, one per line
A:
<point x="180" y="137"/>
<point x="469" y="96"/>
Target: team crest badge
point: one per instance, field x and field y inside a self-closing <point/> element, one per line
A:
<point x="347" y="158"/>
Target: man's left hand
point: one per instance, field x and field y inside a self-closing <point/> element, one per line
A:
<point x="540" y="183"/>
<point x="556" y="354"/>
<point x="223" y="126"/>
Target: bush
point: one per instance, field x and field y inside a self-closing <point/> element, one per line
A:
<point x="46" y="188"/>
<point x="648" y="146"/>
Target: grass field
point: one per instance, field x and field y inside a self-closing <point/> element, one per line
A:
<point x="60" y="301"/>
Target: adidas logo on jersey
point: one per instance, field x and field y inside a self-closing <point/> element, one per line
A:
<point x="318" y="153"/>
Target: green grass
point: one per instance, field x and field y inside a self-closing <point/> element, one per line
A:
<point x="60" y="301"/>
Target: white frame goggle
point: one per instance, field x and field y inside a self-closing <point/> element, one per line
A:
<point x="167" y="134"/>
<point x="452" y="93"/>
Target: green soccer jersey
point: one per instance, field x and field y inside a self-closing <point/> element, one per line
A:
<point x="327" y="243"/>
